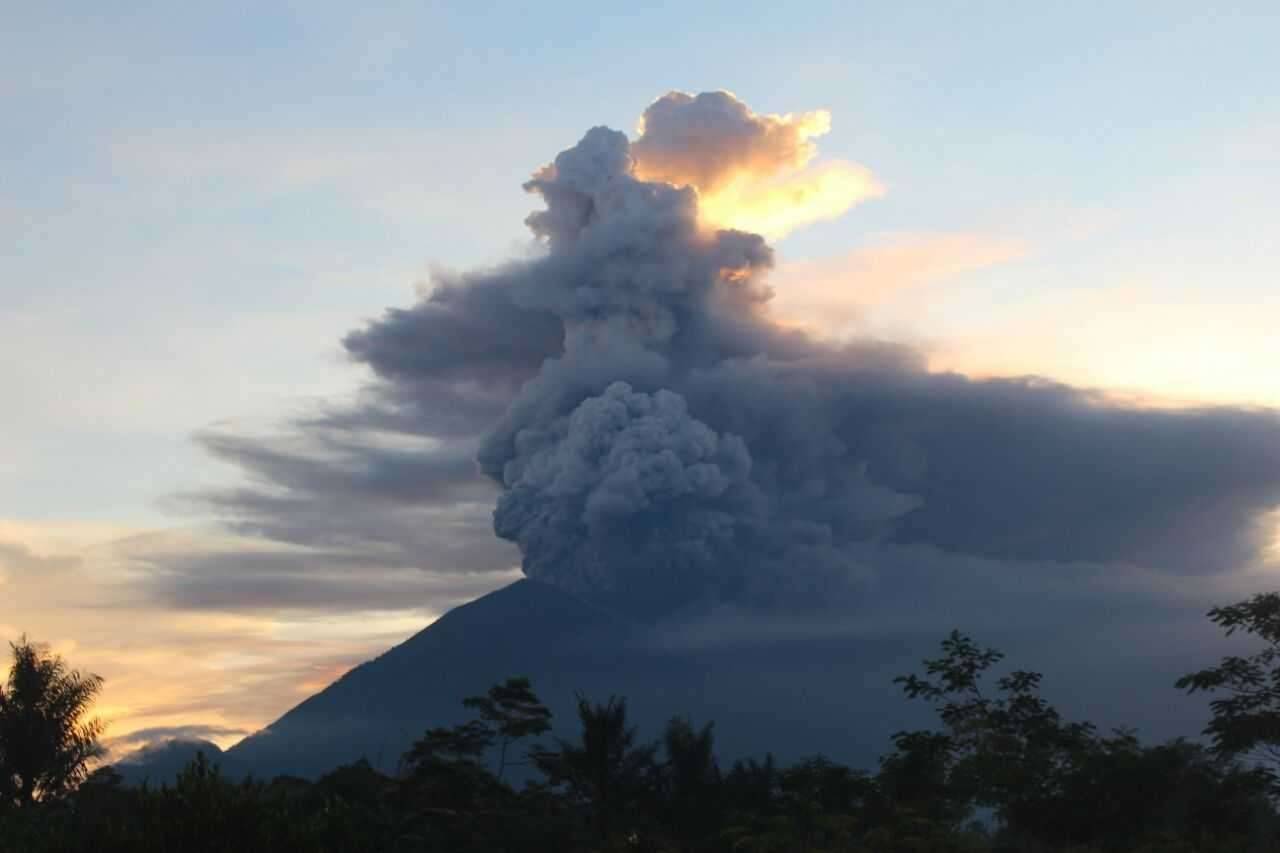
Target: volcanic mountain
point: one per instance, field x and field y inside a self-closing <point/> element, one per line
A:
<point x="801" y="691"/>
<point x="798" y="698"/>
<point x="725" y="516"/>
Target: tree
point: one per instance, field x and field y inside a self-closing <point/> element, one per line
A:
<point x="752" y="786"/>
<point x="916" y="777"/>
<point x="457" y="800"/>
<point x="606" y="771"/>
<point x="512" y="712"/>
<point x="690" y="779"/>
<point x="465" y="743"/>
<point x="1246" y="721"/>
<point x="1012" y="751"/>
<point x="509" y="712"/>
<point x="1123" y="794"/>
<point x="47" y="739"/>
<point x="443" y="770"/>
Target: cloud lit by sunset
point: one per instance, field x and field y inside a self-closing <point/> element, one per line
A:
<point x="752" y="172"/>
<point x="779" y="204"/>
<point x="841" y="297"/>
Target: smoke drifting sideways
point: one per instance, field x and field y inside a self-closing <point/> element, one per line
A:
<point x="660" y="444"/>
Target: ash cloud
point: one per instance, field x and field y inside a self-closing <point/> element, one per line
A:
<point x="626" y="473"/>
<point x="655" y="443"/>
<point x="479" y="334"/>
<point x="751" y="172"/>
<point x="708" y="139"/>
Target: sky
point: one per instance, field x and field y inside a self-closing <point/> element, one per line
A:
<point x="202" y="202"/>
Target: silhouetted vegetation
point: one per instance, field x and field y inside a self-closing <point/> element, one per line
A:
<point x="1246" y="721"/>
<point x="46" y="737"/>
<point x="1004" y="771"/>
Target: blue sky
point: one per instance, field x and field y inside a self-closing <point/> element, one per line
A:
<point x="202" y="198"/>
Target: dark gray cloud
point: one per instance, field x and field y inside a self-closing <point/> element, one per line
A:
<point x="323" y="463"/>
<point x="248" y="581"/>
<point x="372" y="516"/>
<point x="921" y="590"/>
<point x="651" y="440"/>
<point x="377" y="516"/>
<point x="598" y="475"/>
<point x="423" y="408"/>
<point x="1019" y="468"/>
<point x="469" y="329"/>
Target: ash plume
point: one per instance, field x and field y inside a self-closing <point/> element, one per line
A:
<point x="709" y="139"/>
<point x="649" y="439"/>
<point x="664" y="443"/>
<point x="752" y="172"/>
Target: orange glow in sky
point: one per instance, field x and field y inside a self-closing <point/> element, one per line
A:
<point x="777" y="205"/>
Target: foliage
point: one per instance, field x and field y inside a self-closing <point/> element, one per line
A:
<point x="1011" y="749"/>
<point x="1247" y="720"/>
<point x="689" y="781"/>
<point x="1049" y="785"/>
<point x="513" y="712"/>
<point x="605" y="772"/>
<point x="1050" y="781"/>
<point x="47" y="739"/>
<point x="509" y="712"/>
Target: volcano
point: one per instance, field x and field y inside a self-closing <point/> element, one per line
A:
<point x="792" y="694"/>
<point x="725" y="516"/>
<point x="792" y="698"/>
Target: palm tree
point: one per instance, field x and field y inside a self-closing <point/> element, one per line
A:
<point x="691" y="782"/>
<point x="46" y="738"/>
<point x="607" y="772"/>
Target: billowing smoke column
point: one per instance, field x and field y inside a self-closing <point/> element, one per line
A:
<point x="662" y="443"/>
<point x="627" y="462"/>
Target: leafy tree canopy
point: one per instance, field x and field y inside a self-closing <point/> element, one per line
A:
<point x="47" y="739"/>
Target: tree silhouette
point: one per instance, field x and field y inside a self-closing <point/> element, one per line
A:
<point x="465" y="743"/>
<point x="607" y="793"/>
<point x="606" y="771"/>
<point x="509" y="712"/>
<point x="752" y="786"/>
<point x="917" y="776"/>
<point x="46" y="739"/>
<point x="512" y="711"/>
<point x="1011" y="751"/>
<point x="1246" y="721"/>
<point x="691" y="792"/>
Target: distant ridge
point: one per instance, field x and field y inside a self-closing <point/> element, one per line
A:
<point x="160" y="764"/>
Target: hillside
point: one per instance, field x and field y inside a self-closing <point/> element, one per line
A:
<point x="812" y="697"/>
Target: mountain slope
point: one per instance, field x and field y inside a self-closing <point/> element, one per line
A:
<point x="794" y="699"/>
<point x="796" y="694"/>
<point x="377" y="709"/>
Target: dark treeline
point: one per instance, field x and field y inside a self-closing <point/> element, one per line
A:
<point x="1002" y="772"/>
